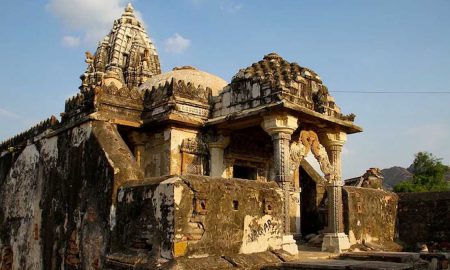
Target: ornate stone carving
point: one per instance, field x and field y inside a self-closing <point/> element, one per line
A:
<point x="309" y="141"/>
<point x="194" y="146"/>
<point x="172" y="90"/>
<point x="127" y="51"/>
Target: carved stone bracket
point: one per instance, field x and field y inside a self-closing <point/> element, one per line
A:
<point x="309" y="141"/>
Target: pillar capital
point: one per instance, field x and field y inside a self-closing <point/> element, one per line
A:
<point x="219" y="141"/>
<point x="333" y="138"/>
<point x="275" y="124"/>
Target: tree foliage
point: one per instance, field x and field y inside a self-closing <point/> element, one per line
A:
<point x="428" y="175"/>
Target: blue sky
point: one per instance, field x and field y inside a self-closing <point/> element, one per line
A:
<point x="355" y="45"/>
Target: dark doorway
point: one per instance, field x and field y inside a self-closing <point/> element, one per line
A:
<point x="244" y="172"/>
<point x="310" y="203"/>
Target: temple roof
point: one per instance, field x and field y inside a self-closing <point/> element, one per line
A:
<point x="188" y="75"/>
<point x="274" y="68"/>
<point x="126" y="51"/>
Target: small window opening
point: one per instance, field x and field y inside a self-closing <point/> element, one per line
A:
<point x="235" y="205"/>
<point x="200" y="206"/>
<point x="203" y="204"/>
<point x="244" y="172"/>
<point x="268" y="209"/>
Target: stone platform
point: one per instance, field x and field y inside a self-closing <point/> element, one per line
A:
<point x="306" y="259"/>
<point x="341" y="265"/>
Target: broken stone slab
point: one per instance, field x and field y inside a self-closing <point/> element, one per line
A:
<point x="289" y="244"/>
<point x="318" y="239"/>
<point x="376" y="265"/>
<point x="398" y="257"/>
<point x="436" y="260"/>
<point x="310" y="236"/>
<point x="247" y="261"/>
<point x="343" y="265"/>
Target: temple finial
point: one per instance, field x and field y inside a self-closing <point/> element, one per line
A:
<point x="129" y="8"/>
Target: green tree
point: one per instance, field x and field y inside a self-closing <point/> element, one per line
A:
<point x="428" y="175"/>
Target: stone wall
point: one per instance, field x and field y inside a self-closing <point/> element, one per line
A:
<point x="56" y="195"/>
<point x="369" y="215"/>
<point x="181" y="216"/>
<point x="424" y="217"/>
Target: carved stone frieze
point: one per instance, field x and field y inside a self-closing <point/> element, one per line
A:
<point x="176" y="89"/>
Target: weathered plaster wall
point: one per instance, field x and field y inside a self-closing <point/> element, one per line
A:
<point x="369" y="214"/>
<point x="154" y="158"/>
<point x="424" y="217"/>
<point x="55" y="198"/>
<point x="198" y="216"/>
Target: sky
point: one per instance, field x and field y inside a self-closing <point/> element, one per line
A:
<point x="354" y="45"/>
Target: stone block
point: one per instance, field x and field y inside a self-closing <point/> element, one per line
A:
<point x="335" y="242"/>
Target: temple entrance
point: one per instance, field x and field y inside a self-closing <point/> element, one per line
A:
<point x="312" y="205"/>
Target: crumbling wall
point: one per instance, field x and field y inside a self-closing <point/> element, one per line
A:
<point x="238" y="216"/>
<point x="56" y="195"/>
<point x="198" y="216"/>
<point x="369" y="215"/>
<point x="424" y="217"/>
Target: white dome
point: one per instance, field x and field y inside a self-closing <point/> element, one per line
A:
<point x="187" y="74"/>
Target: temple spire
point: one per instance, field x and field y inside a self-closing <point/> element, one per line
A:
<point x="126" y="53"/>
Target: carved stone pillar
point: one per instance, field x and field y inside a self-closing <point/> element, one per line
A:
<point x="280" y="127"/>
<point x="335" y="240"/>
<point x="216" y="152"/>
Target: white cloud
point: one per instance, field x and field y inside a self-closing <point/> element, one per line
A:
<point x="93" y="18"/>
<point x="230" y="6"/>
<point x="176" y="44"/>
<point x="70" y="41"/>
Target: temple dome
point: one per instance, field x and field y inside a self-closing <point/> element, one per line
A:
<point x="188" y="75"/>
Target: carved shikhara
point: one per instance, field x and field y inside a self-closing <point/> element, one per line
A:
<point x="309" y="141"/>
<point x="194" y="155"/>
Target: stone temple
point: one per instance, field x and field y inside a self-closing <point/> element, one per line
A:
<point x="152" y="170"/>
